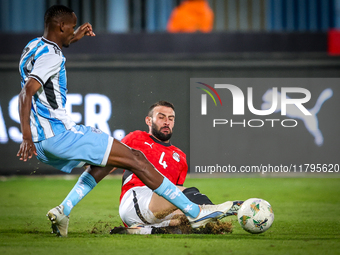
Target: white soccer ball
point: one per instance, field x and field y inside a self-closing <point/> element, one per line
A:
<point x="255" y="215"/>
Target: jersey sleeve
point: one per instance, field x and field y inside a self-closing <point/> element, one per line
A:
<point x="183" y="175"/>
<point x="128" y="139"/>
<point x="45" y="66"/>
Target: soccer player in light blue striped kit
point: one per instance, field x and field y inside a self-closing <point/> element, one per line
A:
<point x="50" y="134"/>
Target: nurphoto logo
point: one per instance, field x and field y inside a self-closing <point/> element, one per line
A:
<point x="289" y="102"/>
<point x="275" y="98"/>
<point x="263" y="125"/>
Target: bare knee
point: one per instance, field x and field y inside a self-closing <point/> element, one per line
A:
<point x="123" y="156"/>
<point x="145" y="171"/>
<point x="139" y="159"/>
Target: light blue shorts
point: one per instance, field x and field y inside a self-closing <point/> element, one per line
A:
<point x="74" y="148"/>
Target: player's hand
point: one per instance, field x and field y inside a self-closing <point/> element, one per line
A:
<point x="85" y="29"/>
<point x="27" y="149"/>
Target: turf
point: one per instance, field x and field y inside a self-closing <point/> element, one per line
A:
<point x="307" y="219"/>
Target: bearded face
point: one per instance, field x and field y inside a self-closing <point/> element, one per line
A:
<point x="161" y="133"/>
<point x="161" y="123"/>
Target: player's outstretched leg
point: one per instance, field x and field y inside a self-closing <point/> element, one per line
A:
<point x="59" y="220"/>
<point x="135" y="161"/>
<point x="198" y="215"/>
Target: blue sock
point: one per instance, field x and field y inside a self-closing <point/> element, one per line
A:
<point x="171" y="193"/>
<point x="85" y="184"/>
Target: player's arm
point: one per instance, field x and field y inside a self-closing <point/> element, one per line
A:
<point x="27" y="148"/>
<point x="85" y="29"/>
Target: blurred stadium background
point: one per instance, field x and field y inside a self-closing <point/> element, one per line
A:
<point x="133" y="62"/>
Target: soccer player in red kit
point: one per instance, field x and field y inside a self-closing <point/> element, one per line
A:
<point x="139" y="205"/>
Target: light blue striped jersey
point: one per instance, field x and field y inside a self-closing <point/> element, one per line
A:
<point x="43" y="60"/>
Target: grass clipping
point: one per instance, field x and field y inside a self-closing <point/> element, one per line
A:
<point x="216" y="228"/>
<point x="219" y="227"/>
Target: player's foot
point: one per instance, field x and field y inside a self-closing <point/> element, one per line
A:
<point x="59" y="220"/>
<point x="210" y="213"/>
<point x="234" y="209"/>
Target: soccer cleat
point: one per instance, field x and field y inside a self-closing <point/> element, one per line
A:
<point x="210" y="213"/>
<point x="234" y="209"/>
<point x="59" y="220"/>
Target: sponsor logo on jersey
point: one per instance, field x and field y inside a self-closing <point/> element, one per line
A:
<point x="176" y="156"/>
<point x="148" y="144"/>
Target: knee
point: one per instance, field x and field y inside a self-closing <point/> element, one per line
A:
<point x="138" y="154"/>
<point x="139" y="158"/>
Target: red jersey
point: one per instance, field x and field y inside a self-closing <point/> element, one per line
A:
<point x="166" y="158"/>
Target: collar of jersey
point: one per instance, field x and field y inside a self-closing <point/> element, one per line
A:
<point x="50" y="42"/>
<point x="160" y="142"/>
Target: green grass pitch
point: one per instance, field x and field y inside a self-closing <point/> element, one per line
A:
<point x="307" y="219"/>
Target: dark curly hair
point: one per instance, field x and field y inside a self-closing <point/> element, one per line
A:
<point x="160" y="103"/>
<point x="56" y="11"/>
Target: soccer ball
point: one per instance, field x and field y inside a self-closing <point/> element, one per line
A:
<point x="255" y="215"/>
